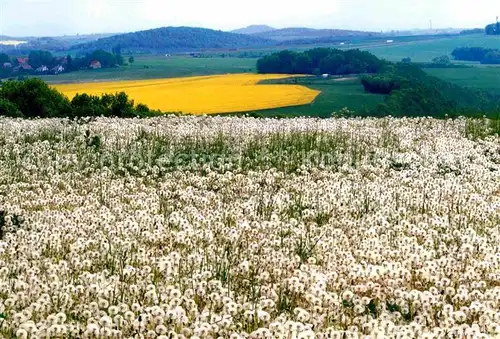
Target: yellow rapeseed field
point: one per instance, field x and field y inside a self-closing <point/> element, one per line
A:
<point x="204" y="94"/>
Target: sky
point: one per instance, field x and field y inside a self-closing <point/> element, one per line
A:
<point x="69" y="17"/>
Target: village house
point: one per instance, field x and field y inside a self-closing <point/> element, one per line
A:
<point x="95" y="64"/>
<point x="42" y="69"/>
<point x="22" y="61"/>
<point x="7" y="65"/>
<point x="58" y="69"/>
<point x="23" y="67"/>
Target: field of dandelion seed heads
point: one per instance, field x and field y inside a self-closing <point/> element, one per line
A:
<point x="197" y="227"/>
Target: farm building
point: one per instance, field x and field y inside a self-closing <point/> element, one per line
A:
<point x="7" y="65"/>
<point x="325" y="76"/>
<point x="95" y="64"/>
<point x="390" y="41"/>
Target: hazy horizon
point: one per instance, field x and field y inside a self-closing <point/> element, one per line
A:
<point x="20" y="18"/>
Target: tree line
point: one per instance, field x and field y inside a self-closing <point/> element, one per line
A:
<point x="33" y="98"/>
<point x="320" y="61"/>
<point x="483" y="55"/>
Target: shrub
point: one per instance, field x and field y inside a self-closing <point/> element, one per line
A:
<point x="492" y="58"/>
<point x="34" y="98"/>
<point x="7" y="108"/>
<point x="380" y="84"/>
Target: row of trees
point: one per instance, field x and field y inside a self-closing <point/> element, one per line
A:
<point x="34" y="98"/>
<point x="320" y="61"/>
<point x="483" y="55"/>
<point x="472" y="31"/>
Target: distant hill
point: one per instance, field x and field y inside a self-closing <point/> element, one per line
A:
<point x="254" y="29"/>
<point x="175" y="39"/>
<point x="418" y="32"/>
<point x="301" y="33"/>
<point x="53" y="44"/>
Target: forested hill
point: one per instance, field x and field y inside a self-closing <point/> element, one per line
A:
<point x="175" y="39"/>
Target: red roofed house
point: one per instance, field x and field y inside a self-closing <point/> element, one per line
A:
<point x="95" y="64"/>
<point x="22" y="60"/>
<point x="26" y="67"/>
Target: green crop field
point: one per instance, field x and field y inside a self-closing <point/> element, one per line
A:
<point x="426" y="50"/>
<point x="477" y="77"/>
<point x="336" y="94"/>
<point x="159" y="67"/>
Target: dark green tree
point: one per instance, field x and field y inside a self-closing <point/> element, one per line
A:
<point x="69" y="65"/>
<point x="119" y="59"/>
<point x="493" y="29"/>
<point x="4" y="58"/>
<point x="332" y="64"/>
<point x="442" y="60"/>
<point x="116" y="50"/>
<point x="121" y="106"/>
<point x="106" y="59"/>
<point x="492" y="58"/>
<point x="303" y="64"/>
<point x="269" y="64"/>
<point x="131" y="60"/>
<point x="40" y="58"/>
<point x="9" y="109"/>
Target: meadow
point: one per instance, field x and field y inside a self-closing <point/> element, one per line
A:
<point x="203" y="95"/>
<point x="426" y="50"/>
<point x="336" y="94"/>
<point x="227" y="227"/>
<point x="158" y="67"/>
<point x="476" y="77"/>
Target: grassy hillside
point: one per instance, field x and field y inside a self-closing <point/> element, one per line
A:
<point x="299" y="33"/>
<point x="426" y="50"/>
<point x="476" y="77"/>
<point x="159" y="67"/>
<point x="336" y="94"/>
<point x="175" y="39"/>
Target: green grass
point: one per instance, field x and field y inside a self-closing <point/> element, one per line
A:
<point x="419" y="48"/>
<point x="476" y="77"/>
<point x="159" y="67"/>
<point x="335" y="95"/>
<point x="426" y="50"/>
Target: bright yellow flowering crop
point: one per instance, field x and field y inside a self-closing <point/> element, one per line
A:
<point x="206" y="94"/>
